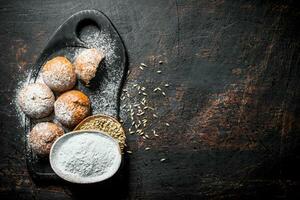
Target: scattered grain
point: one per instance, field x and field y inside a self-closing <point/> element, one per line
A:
<point x="156" y="89"/>
<point x="151" y="108"/>
<point x="140" y="114"/>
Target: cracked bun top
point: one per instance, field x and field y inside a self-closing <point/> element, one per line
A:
<point x="58" y="74"/>
<point x="71" y="108"/>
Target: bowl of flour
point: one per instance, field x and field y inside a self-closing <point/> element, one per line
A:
<point x="85" y="156"/>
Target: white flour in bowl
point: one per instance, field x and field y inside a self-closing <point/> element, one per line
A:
<point x="86" y="155"/>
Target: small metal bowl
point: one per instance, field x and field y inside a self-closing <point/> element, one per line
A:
<point x="83" y="180"/>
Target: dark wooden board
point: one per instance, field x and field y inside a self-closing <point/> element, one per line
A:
<point x="85" y="29"/>
<point x="233" y="101"/>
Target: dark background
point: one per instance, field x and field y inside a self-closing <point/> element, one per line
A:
<point x="233" y="102"/>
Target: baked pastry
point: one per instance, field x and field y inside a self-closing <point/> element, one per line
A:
<point x="71" y="107"/>
<point x="58" y="74"/>
<point x="86" y="64"/>
<point x="42" y="136"/>
<point x="36" y="100"/>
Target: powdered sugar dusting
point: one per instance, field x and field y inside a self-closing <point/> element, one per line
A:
<point x="104" y="99"/>
<point x="65" y="114"/>
<point x="59" y="74"/>
<point x="22" y="83"/>
<point x="86" y="64"/>
<point x="36" y="100"/>
<point x="101" y="41"/>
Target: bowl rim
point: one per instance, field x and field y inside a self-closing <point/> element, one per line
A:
<point x="58" y="172"/>
<point x="77" y="127"/>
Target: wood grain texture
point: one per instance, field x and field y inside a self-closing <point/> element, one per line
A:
<point x="233" y="104"/>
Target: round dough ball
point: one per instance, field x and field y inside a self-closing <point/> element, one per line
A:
<point x="36" y="100"/>
<point x="71" y="108"/>
<point x="42" y="136"/>
<point x="86" y="64"/>
<point x="58" y="74"/>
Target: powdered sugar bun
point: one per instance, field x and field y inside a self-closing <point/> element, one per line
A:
<point x="42" y="136"/>
<point x="86" y="64"/>
<point x="58" y="74"/>
<point x="71" y="108"/>
<point x="36" y="100"/>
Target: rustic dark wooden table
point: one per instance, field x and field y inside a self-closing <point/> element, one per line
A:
<point x="233" y="104"/>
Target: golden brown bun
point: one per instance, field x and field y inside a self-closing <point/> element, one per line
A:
<point x="42" y="136"/>
<point x="58" y="74"/>
<point x="86" y="64"/>
<point x="71" y="107"/>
